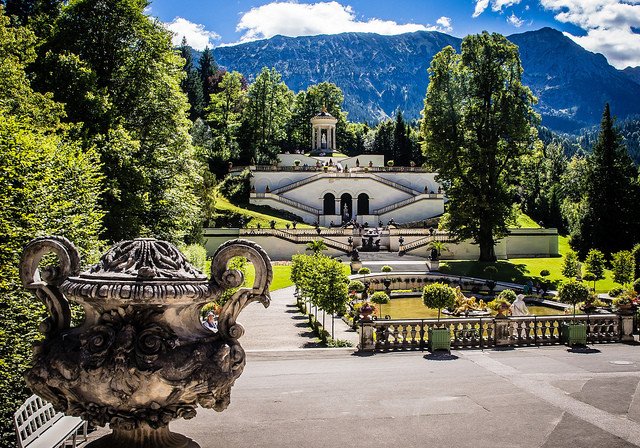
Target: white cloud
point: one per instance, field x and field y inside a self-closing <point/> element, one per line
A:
<point x="609" y="26"/>
<point x="294" y="19"/>
<point x="481" y="5"/>
<point x="445" y="23"/>
<point x="515" y="20"/>
<point x="197" y="36"/>
<point x="496" y="5"/>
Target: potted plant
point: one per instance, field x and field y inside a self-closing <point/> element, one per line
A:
<point x="439" y="295"/>
<point x="296" y="162"/>
<point x="624" y="305"/>
<point x="573" y="292"/>
<point x="501" y="306"/>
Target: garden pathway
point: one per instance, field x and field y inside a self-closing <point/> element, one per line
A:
<point x="282" y="327"/>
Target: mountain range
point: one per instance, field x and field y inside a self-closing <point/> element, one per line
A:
<point x="379" y="74"/>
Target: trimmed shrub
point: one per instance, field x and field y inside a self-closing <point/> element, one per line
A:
<point x="386" y="268"/>
<point x="438" y="296"/>
<point x="380" y="297"/>
<point x="507" y="295"/>
<point x="356" y="285"/>
<point x="573" y="292"/>
<point x="363" y="271"/>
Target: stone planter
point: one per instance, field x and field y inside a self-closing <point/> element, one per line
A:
<point x="365" y="312"/>
<point x="439" y="339"/>
<point x="573" y="334"/>
<point x="141" y="358"/>
<point x="627" y="309"/>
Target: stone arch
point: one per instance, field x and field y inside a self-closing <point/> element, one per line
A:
<point x="346" y="200"/>
<point x="329" y="204"/>
<point x="363" y="204"/>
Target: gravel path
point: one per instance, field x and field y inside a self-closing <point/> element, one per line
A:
<point x="282" y="327"/>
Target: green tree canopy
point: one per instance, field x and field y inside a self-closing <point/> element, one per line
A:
<point x="610" y="220"/>
<point x="191" y="83"/>
<point x="623" y="266"/>
<point x="49" y="185"/>
<point x="308" y="103"/>
<point x="267" y="112"/>
<point x="478" y="125"/>
<point x="570" y="265"/>
<point x="224" y="115"/>
<point x="119" y="75"/>
<point x="594" y="264"/>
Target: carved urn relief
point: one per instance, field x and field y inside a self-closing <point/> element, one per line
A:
<point x="141" y="358"/>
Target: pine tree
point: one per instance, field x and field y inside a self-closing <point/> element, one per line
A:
<point x="401" y="153"/>
<point x="191" y="84"/>
<point x="207" y="67"/>
<point x="610" y="221"/>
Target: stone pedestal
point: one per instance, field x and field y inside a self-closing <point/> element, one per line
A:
<point x="367" y="343"/>
<point x="355" y="266"/>
<point x="626" y="328"/>
<point x="433" y="265"/>
<point x="502" y="332"/>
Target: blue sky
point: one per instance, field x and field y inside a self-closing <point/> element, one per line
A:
<point x="610" y="27"/>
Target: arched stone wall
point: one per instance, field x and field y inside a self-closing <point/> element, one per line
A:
<point x="329" y="204"/>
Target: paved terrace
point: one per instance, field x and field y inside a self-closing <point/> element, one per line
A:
<point x="291" y="396"/>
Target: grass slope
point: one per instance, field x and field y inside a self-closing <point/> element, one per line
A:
<point x="251" y="215"/>
<point x="520" y="270"/>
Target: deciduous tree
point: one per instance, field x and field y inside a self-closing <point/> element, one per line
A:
<point x="478" y="125"/>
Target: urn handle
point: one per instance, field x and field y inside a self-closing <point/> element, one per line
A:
<point x="45" y="283"/>
<point x="232" y="278"/>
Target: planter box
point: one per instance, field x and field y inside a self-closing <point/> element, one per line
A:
<point x="573" y="334"/>
<point x="439" y="339"/>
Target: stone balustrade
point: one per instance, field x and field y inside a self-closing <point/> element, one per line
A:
<point x="486" y="332"/>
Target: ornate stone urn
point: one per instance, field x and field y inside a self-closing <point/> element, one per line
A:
<point x="141" y="358"/>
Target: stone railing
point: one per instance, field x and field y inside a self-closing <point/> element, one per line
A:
<point x="437" y="236"/>
<point x="300" y="237"/>
<point x="485" y="332"/>
<point x="286" y="201"/>
<point x="360" y="169"/>
<point x="395" y="185"/>
<point x="400" y="231"/>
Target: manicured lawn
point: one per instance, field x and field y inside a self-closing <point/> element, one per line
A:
<point x="519" y="270"/>
<point x="281" y="275"/>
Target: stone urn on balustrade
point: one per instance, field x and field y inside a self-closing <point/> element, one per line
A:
<point x="141" y="357"/>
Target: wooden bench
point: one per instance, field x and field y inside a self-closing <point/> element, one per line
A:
<point x="38" y="425"/>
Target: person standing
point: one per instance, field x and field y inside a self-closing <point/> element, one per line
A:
<point x="211" y="323"/>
